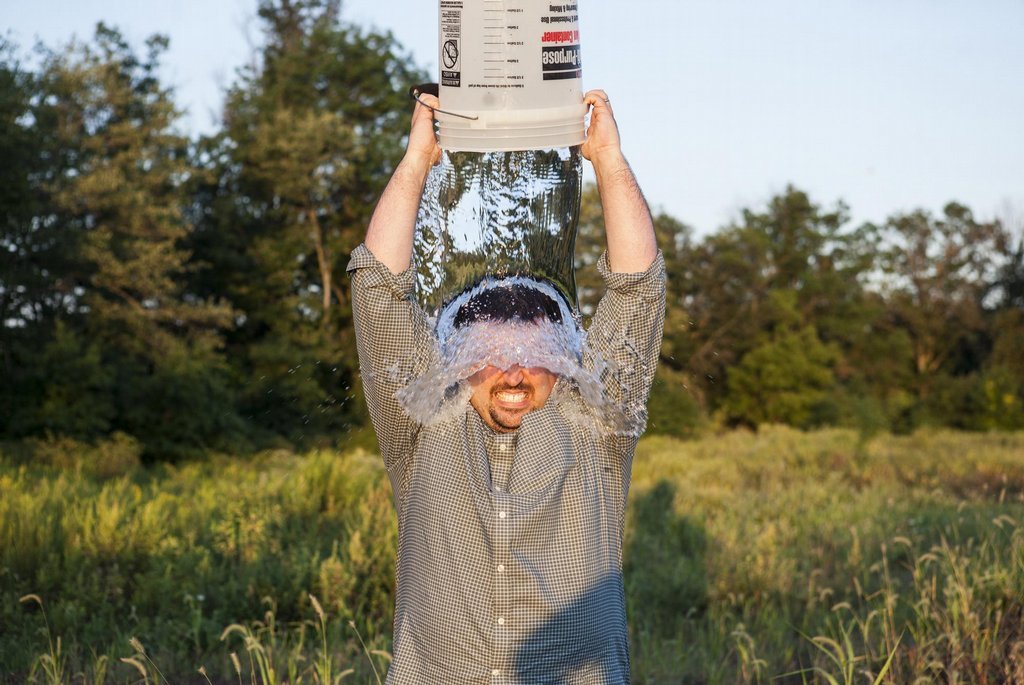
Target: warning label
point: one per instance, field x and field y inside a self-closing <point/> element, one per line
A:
<point x="561" y="62"/>
<point x="451" y="75"/>
<point x="451" y="35"/>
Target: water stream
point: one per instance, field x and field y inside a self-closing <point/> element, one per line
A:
<point x="495" y="220"/>
<point x="498" y="214"/>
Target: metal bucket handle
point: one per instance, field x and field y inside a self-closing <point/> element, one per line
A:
<point x="433" y="89"/>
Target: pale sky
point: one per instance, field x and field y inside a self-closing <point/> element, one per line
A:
<point x="888" y="105"/>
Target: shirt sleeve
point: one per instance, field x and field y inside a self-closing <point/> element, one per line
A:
<point x="394" y="342"/>
<point x="624" y="338"/>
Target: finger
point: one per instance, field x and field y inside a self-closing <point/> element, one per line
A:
<point x="425" y="106"/>
<point x="429" y="100"/>
<point x="597" y="99"/>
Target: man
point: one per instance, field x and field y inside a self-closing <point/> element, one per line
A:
<point x="510" y="510"/>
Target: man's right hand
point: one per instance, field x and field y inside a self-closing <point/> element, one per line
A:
<point x="423" y="147"/>
<point x="393" y="224"/>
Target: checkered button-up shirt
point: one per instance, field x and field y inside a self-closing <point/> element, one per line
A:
<point x="510" y="545"/>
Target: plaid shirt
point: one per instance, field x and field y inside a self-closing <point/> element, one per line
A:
<point x="509" y="545"/>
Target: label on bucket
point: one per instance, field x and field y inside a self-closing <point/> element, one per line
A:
<point x="561" y="62"/>
<point x="507" y="44"/>
<point x="451" y="36"/>
<point x="510" y="71"/>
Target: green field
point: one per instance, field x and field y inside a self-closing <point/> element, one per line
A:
<point x="779" y="556"/>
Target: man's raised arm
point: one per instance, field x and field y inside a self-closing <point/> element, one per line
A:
<point x="627" y="326"/>
<point x="393" y="339"/>
<point x="390" y="234"/>
<point x="629" y="230"/>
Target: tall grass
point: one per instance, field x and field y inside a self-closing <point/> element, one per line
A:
<point x="173" y="555"/>
<point x="750" y="558"/>
<point x="818" y="556"/>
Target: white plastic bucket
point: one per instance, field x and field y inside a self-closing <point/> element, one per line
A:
<point x="511" y="69"/>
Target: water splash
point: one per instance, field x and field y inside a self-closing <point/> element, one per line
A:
<point x="442" y="392"/>
<point x="492" y="220"/>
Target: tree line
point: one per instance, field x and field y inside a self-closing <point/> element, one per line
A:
<point x="791" y="315"/>
<point x="189" y="292"/>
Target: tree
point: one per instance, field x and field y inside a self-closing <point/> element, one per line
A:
<point x="115" y="197"/>
<point x="937" y="274"/>
<point x="310" y="137"/>
<point x="22" y="285"/>
<point x="785" y="379"/>
<point x="589" y="246"/>
<point x="674" y="239"/>
<point x="793" y="265"/>
<point x="1003" y="376"/>
<point x="66" y="389"/>
<point x="672" y="408"/>
<point x="20" y="147"/>
<point x="1007" y="321"/>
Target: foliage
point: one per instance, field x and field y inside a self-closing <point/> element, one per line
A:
<point x="67" y="391"/>
<point x="666" y="579"/>
<point x="173" y="555"/>
<point x="310" y="137"/>
<point x="940" y="272"/>
<point x="672" y="409"/>
<point x="907" y="546"/>
<point x="792" y="265"/>
<point x="189" y="292"/>
<point x="785" y="380"/>
<point x="745" y="554"/>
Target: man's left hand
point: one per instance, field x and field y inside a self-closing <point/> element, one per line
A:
<point x="602" y="143"/>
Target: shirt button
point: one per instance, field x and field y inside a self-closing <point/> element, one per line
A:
<point x="495" y="672"/>
<point x="501" y="621"/>
<point x="502" y="447"/>
<point x="501" y="568"/>
<point x="501" y="514"/>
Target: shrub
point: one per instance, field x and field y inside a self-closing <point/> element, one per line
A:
<point x="115" y="456"/>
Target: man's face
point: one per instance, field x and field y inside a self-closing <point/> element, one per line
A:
<point x="502" y="398"/>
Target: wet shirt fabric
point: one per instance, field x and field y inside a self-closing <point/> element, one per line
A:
<point x="510" y="545"/>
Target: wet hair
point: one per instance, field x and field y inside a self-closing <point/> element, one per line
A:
<point x="513" y="302"/>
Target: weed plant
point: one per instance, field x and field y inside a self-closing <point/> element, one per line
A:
<point x="781" y="556"/>
<point x="814" y="557"/>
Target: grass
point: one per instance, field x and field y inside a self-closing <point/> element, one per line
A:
<point x="817" y="556"/>
<point x="776" y="557"/>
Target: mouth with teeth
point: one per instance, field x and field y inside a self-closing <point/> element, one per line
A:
<point x="511" y="398"/>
